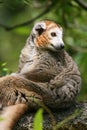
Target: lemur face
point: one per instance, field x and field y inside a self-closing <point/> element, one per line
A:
<point x="48" y="35"/>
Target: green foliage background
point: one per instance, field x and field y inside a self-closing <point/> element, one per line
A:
<point x="68" y="13"/>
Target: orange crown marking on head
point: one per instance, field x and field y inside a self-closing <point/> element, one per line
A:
<point x="50" y="24"/>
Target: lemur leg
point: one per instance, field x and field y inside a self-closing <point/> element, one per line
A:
<point x="15" y="90"/>
<point x="12" y="91"/>
<point x="68" y="89"/>
<point x="10" y="115"/>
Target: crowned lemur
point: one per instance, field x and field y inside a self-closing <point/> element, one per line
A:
<point x="46" y="73"/>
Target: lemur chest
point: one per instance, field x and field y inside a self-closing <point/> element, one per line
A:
<point x="43" y="64"/>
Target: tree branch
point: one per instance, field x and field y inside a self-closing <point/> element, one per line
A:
<point x="1" y="2"/>
<point x="82" y="4"/>
<point x="8" y="28"/>
<point x="73" y="118"/>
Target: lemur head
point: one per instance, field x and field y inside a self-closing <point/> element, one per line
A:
<point x="48" y="35"/>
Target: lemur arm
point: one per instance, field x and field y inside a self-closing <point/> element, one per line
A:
<point x="39" y="75"/>
<point x="69" y="79"/>
<point x="66" y="78"/>
<point x="63" y="89"/>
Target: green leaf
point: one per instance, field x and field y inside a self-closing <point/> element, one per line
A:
<point x="38" y="120"/>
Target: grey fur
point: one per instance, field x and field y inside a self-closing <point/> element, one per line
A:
<point x="64" y="83"/>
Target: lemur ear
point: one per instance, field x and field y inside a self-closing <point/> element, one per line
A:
<point x="39" y="28"/>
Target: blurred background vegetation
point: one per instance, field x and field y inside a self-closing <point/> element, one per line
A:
<point x="17" y="18"/>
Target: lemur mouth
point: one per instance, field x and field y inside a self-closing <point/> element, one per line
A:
<point x="58" y="47"/>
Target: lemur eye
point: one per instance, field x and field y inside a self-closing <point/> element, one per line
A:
<point x="53" y="34"/>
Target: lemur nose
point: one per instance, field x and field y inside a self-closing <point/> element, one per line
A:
<point x="61" y="46"/>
